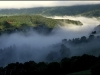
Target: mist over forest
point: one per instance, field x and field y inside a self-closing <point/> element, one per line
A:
<point x="34" y="44"/>
<point x="50" y="35"/>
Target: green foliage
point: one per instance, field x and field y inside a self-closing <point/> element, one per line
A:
<point x="69" y="21"/>
<point x="95" y="13"/>
<point x="58" y="10"/>
<point x="20" y="21"/>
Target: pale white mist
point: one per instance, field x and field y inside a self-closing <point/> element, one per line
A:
<point x="73" y="31"/>
<point x="35" y="46"/>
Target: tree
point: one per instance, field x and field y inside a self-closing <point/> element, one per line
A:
<point x="52" y="56"/>
<point x="30" y="67"/>
<point x="64" y="51"/>
<point x="83" y="39"/>
<point x="95" y="70"/>
<point x="53" y="68"/>
<point x="94" y="32"/>
<point x="6" y="24"/>
<point x="64" y="41"/>
<point x="91" y="37"/>
<point x="65" y="65"/>
<point x="41" y="68"/>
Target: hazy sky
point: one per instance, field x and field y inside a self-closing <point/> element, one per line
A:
<point x="27" y="4"/>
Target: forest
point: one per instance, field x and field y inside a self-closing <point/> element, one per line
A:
<point x="54" y="63"/>
<point x="59" y="60"/>
<point x="64" y="67"/>
<point x="20" y="22"/>
<point x="50" y="40"/>
<point x="84" y="10"/>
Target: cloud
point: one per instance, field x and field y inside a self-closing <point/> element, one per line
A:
<point x="35" y="46"/>
<point x="28" y="4"/>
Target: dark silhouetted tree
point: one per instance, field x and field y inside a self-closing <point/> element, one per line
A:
<point x="53" y="68"/>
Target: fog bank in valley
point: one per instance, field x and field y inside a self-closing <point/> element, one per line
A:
<point x="26" y="46"/>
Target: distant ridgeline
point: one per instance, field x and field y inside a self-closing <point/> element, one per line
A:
<point x="92" y="10"/>
<point x="20" y="22"/>
<point x="94" y="13"/>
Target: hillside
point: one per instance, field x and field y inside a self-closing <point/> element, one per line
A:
<point x="86" y="72"/>
<point x="58" y="10"/>
<point x="92" y="13"/>
<point x="26" y="21"/>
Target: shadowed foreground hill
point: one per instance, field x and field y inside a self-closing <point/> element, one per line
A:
<point x="65" y="66"/>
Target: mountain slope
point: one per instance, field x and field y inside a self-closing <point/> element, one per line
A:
<point x="20" y="22"/>
<point x="95" y="13"/>
<point x="51" y="11"/>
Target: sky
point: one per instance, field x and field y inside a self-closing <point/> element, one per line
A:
<point x="29" y="4"/>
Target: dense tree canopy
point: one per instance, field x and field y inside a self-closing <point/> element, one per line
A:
<point x="21" y="22"/>
<point x="85" y="10"/>
<point x="67" y="65"/>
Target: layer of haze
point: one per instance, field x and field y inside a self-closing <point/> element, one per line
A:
<point x="74" y="31"/>
<point x="28" y="4"/>
<point x="34" y="46"/>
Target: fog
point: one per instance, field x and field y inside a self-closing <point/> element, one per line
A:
<point x="31" y="45"/>
<point x="73" y="31"/>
